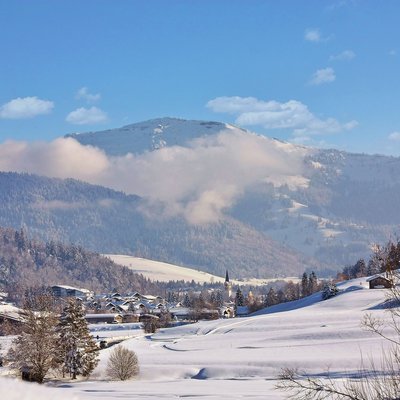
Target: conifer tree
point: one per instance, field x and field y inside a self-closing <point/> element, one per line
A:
<point x="304" y="285"/>
<point x="329" y="290"/>
<point x="312" y="283"/>
<point x="239" y="299"/>
<point x="78" y="348"/>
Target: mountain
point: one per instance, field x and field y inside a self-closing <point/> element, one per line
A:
<point x="149" y="135"/>
<point x="339" y="205"/>
<point x="108" y="221"/>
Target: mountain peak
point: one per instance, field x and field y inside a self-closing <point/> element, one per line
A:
<point x="149" y="135"/>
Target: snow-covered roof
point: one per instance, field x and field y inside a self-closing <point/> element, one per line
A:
<point x="371" y="278"/>
<point x="66" y="287"/>
<point x="9" y="310"/>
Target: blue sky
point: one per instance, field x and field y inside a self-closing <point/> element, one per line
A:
<point x="322" y="73"/>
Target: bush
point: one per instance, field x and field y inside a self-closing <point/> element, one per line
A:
<point x="150" y="325"/>
<point x="123" y="364"/>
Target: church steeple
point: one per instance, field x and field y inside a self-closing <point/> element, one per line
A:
<point x="227" y="285"/>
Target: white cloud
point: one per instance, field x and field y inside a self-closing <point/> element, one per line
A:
<point x="83" y="93"/>
<point x="325" y="75"/>
<point x="395" y="136"/>
<point x="198" y="182"/>
<point x="313" y="35"/>
<point x="25" y="107"/>
<point x="84" y="116"/>
<point x="345" y="55"/>
<point x="275" y="115"/>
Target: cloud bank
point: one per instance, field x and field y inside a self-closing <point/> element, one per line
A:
<point x="276" y="115"/>
<point x="199" y="181"/>
<point x="25" y="107"/>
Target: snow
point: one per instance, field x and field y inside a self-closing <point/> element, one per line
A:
<point x="164" y="272"/>
<point x="161" y="271"/>
<point x="240" y="358"/>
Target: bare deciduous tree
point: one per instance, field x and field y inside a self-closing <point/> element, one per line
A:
<point x="123" y="364"/>
<point x="34" y="351"/>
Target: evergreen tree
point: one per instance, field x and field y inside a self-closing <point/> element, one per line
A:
<point x="239" y="299"/>
<point x="330" y="289"/>
<point x="187" y="301"/>
<point x="312" y="283"/>
<point x="304" y="285"/>
<point x="78" y="348"/>
<point x="361" y="268"/>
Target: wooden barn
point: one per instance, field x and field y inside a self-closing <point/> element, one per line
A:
<point x="379" y="282"/>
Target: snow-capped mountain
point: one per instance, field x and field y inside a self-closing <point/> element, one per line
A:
<point x="149" y="135"/>
<point x="328" y="204"/>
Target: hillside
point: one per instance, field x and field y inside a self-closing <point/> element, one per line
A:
<point x="107" y="221"/>
<point x="206" y="195"/>
<point x="26" y="263"/>
<point x="328" y="204"/>
<point x="241" y="358"/>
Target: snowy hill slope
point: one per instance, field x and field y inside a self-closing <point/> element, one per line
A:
<point x="240" y="358"/>
<point x="161" y="271"/>
<point x="149" y="135"/>
<point x="164" y="272"/>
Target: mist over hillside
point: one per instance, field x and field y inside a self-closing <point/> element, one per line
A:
<point x="112" y="222"/>
<point x="203" y="194"/>
<point x="328" y="204"/>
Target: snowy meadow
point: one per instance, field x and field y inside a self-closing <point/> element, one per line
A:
<point x="242" y="357"/>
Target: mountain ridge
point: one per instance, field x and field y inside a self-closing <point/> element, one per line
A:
<point x="336" y="217"/>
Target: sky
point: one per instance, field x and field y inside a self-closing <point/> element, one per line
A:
<point x="322" y="73"/>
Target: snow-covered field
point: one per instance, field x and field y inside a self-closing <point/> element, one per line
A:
<point x="240" y="358"/>
<point x="164" y="272"/>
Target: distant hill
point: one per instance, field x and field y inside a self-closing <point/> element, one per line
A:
<point x="107" y="221"/>
<point x="26" y="263"/>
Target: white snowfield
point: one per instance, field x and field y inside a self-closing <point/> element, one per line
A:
<point x="164" y="272"/>
<point x="240" y="358"/>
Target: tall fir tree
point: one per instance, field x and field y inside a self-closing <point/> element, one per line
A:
<point x="77" y="346"/>
<point x="239" y="299"/>
<point x="312" y="283"/>
<point x="304" y="285"/>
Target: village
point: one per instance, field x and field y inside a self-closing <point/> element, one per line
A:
<point x="132" y="311"/>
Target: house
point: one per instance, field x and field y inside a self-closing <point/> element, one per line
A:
<point x="379" y="282"/>
<point x="10" y="314"/>
<point x="104" y="318"/>
<point x="69" y="291"/>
